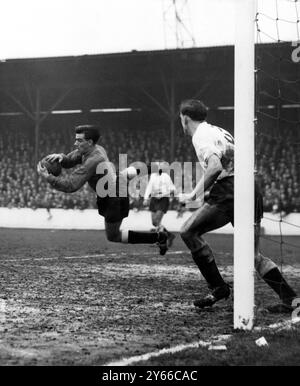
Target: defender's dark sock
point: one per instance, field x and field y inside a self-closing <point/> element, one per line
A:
<point x="142" y="237"/>
<point x="209" y="270"/>
<point x="276" y="281"/>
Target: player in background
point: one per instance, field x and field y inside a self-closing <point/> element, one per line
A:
<point x="214" y="147"/>
<point x="160" y="188"/>
<point x="135" y="194"/>
<point x="89" y="155"/>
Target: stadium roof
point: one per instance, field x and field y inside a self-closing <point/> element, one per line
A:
<point x="147" y="80"/>
<point x="134" y="79"/>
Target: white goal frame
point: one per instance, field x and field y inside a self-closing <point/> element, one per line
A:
<point x="244" y="93"/>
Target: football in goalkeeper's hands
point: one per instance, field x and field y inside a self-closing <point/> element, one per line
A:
<point x="52" y="167"/>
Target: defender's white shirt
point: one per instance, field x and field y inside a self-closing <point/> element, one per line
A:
<point x="208" y="140"/>
<point x="160" y="185"/>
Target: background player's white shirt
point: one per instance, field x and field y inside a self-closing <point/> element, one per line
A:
<point x="208" y="140"/>
<point x="160" y="185"/>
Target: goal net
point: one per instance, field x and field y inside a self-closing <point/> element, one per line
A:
<point x="267" y="134"/>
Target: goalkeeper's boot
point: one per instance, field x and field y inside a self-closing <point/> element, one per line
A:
<point x="222" y="292"/>
<point x="162" y="240"/>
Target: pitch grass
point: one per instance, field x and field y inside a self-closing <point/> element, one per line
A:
<point x="283" y="349"/>
<point x="127" y="301"/>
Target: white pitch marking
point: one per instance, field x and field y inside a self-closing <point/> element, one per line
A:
<point x="219" y="338"/>
<point x="90" y="256"/>
<point x="171" y="350"/>
<point x="287" y="324"/>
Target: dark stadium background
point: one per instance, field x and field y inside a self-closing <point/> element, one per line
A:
<point x="152" y="84"/>
<point x="71" y="297"/>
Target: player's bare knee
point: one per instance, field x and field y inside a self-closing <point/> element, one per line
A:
<point x="186" y="235"/>
<point x="183" y="234"/>
<point x="187" y="230"/>
<point x="155" y="222"/>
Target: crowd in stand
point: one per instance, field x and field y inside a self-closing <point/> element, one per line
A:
<point x="278" y="172"/>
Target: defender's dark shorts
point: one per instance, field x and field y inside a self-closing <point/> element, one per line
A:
<point x="159" y="204"/>
<point x="222" y="195"/>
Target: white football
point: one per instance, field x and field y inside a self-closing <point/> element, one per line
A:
<point x="131" y="172"/>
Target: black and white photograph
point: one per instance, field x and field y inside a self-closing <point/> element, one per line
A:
<point x="149" y="186"/>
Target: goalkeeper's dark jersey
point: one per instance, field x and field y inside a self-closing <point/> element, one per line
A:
<point x="86" y="172"/>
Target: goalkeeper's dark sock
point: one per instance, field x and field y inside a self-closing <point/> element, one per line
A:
<point x="141" y="237"/>
<point x="276" y="281"/>
<point x="208" y="269"/>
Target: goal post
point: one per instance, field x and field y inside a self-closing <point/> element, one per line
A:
<point x="243" y="250"/>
